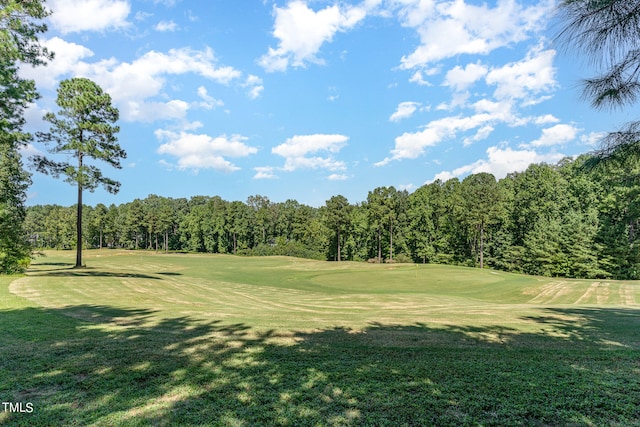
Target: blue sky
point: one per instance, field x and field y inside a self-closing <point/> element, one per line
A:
<point x="307" y="99"/>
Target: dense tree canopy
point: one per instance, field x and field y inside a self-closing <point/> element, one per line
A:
<point x="20" y="25"/>
<point x="553" y="220"/>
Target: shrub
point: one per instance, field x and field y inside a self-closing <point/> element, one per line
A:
<point x="403" y="258"/>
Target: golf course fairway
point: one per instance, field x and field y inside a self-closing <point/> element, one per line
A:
<point x="143" y="338"/>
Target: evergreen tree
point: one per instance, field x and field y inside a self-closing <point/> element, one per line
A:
<point x="422" y="230"/>
<point x="608" y="32"/>
<point x="483" y="206"/>
<point x="19" y="29"/>
<point x="238" y="220"/>
<point x="84" y="128"/>
<point x="99" y="220"/>
<point x="337" y="217"/>
<point x="14" y="247"/>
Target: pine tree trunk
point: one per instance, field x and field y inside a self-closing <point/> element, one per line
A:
<point x="235" y="244"/>
<point x="79" y="219"/>
<point x="391" y="242"/>
<point x="482" y="244"/>
<point x="339" y="245"/>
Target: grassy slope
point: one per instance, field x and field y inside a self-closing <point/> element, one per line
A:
<point x="167" y="339"/>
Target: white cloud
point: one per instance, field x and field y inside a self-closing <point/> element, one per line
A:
<point x="408" y="187"/>
<point x="264" y="172"/>
<point x="459" y="99"/>
<point x="296" y="151"/>
<point x="592" y="139"/>
<point x="419" y="79"/>
<point x="255" y="86"/>
<point x="461" y="78"/>
<point x="447" y="29"/>
<point x="134" y="85"/>
<point x="208" y="102"/>
<point x="337" y="177"/>
<point x="200" y="151"/>
<point x="503" y="110"/>
<point x="411" y="145"/>
<point x="30" y="150"/>
<point x="70" y="16"/>
<point x="67" y="57"/>
<point x="404" y="111"/>
<point x="294" y="163"/>
<point x="546" y="119"/>
<point x="443" y="176"/>
<point x="483" y="133"/>
<point x="414" y="13"/>
<point x="556" y="135"/>
<point x="167" y="3"/>
<point x="501" y="162"/>
<point x="302" y="31"/>
<point x="150" y="111"/>
<point x="300" y="145"/>
<point x="166" y="26"/>
<point x="142" y="16"/>
<point x="517" y="84"/>
<point x="521" y="80"/>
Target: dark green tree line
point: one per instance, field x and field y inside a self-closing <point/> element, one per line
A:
<point x="551" y="220"/>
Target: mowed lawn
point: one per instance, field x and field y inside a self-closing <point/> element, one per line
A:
<point x="140" y="338"/>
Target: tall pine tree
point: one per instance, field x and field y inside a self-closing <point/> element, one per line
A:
<point x="85" y="129"/>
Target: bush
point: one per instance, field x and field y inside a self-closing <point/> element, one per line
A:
<point x="291" y="248"/>
<point x="403" y="258"/>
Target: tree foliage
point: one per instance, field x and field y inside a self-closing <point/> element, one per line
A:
<point x="85" y="130"/>
<point x="483" y="206"/>
<point x="551" y="220"/>
<point x="337" y="217"/>
<point x="608" y="33"/>
<point x="20" y="25"/>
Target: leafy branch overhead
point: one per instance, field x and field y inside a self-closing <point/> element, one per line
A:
<point x="19" y="28"/>
<point x="608" y="33"/>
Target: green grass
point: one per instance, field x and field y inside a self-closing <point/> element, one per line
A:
<point x="153" y="339"/>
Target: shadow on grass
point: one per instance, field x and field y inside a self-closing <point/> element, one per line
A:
<point x="55" y="264"/>
<point x="111" y="366"/>
<point x="88" y="272"/>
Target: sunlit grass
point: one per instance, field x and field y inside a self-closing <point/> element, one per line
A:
<point x="142" y="338"/>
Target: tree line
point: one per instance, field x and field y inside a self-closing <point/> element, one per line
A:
<point x="551" y="220"/>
